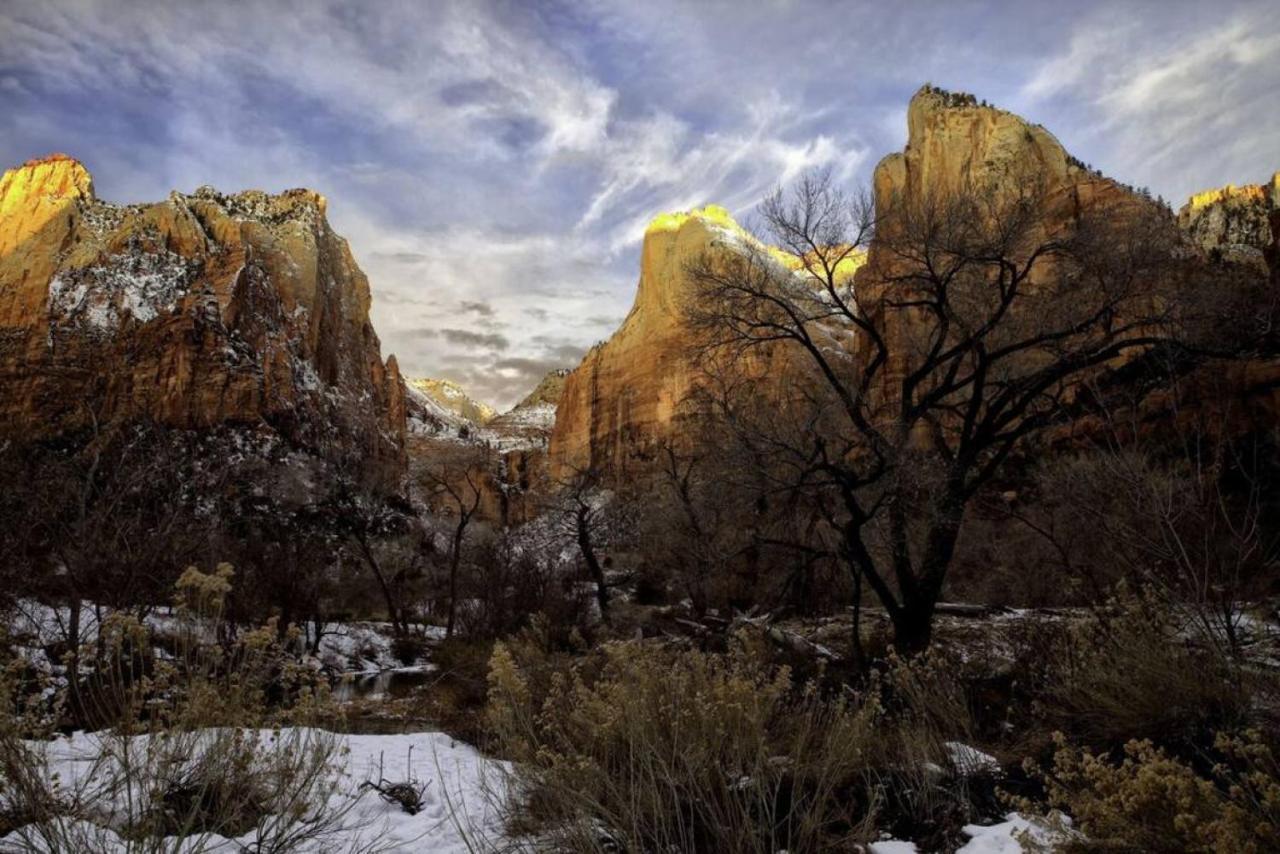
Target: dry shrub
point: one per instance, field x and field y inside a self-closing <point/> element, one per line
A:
<point x="644" y="746"/>
<point x="1131" y="672"/>
<point x="193" y="745"/>
<point x="1149" y="801"/>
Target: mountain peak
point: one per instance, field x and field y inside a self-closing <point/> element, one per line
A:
<point x="451" y="396"/>
<point x="708" y="214"/>
<point x="38" y="191"/>
<point x="57" y="174"/>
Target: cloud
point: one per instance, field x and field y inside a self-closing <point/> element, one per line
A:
<point x="494" y="164"/>
<point x="481" y="308"/>
<point x="1172" y="107"/>
<point x="469" y="339"/>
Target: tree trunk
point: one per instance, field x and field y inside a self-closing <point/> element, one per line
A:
<point x="913" y="623"/>
<point x="593" y="567"/>
<point x="455" y="558"/>
<point x="859" y="655"/>
<point x="73" y="659"/>
<point x="913" y="626"/>
<point x="394" y="612"/>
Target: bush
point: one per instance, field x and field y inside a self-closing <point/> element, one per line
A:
<point x="644" y="746"/>
<point x="1131" y="673"/>
<point x="192" y="745"/>
<point x="1146" y="800"/>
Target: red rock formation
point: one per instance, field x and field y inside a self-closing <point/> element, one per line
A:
<point x="1235" y="223"/>
<point x="504" y="459"/>
<point x="201" y="310"/>
<point x="626" y="395"/>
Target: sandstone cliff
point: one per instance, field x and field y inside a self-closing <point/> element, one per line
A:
<point x="1236" y="224"/>
<point x="955" y="142"/>
<point x="504" y="460"/>
<point x="201" y="310"/>
<point x="451" y="397"/>
<point x="625" y="396"/>
<point x="955" y="146"/>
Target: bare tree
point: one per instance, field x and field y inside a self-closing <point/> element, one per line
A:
<point x="915" y="380"/>
<point x="365" y="519"/>
<point x="454" y="483"/>
<point x="103" y="519"/>
<point x="594" y="520"/>
<point x="1187" y="512"/>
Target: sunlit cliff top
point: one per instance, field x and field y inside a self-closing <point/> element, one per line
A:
<point x="1247" y="192"/>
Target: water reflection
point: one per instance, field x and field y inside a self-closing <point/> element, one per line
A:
<point x="389" y="683"/>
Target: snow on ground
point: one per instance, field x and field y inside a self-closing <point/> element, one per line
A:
<point x="1015" y="835"/>
<point x="459" y="813"/>
<point x="362" y="647"/>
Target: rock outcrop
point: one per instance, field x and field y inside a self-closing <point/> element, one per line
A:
<point x="504" y="460"/>
<point x="451" y="396"/>
<point x="202" y="310"/>
<point x="625" y="395"/>
<point x="1236" y="224"/>
<point x="957" y="145"/>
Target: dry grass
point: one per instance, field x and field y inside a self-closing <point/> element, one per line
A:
<point x="1133" y="672"/>
<point x="197" y="746"/>
<point x="646" y="747"/>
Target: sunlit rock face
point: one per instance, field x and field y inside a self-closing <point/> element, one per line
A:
<point x="626" y="395"/>
<point x="630" y="393"/>
<point x="956" y="144"/>
<point x="634" y="393"/>
<point x="201" y="310"/>
<point x="453" y="399"/>
<point x="1235" y="224"/>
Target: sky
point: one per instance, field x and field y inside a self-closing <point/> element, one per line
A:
<point x="493" y="164"/>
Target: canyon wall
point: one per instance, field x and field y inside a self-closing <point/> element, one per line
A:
<point x="628" y="394"/>
<point x="201" y="310"/>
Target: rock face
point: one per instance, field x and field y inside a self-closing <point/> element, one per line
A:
<point x="504" y="460"/>
<point x="954" y="144"/>
<point x="452" y="398"/>
<point x="1236" y="224"/>
<point x="546" y="393"/>
<point x="953" y="141"/>
<point x="625" y="396"/>
<point x="201" y="310"/>
<point x="528" y="424"/>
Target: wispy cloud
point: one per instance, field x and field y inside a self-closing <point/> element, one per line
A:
<point x="494" y="163"/>
<point x="1177" y="108"/>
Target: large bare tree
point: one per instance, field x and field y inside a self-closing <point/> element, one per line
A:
<point x="911" y="383"/>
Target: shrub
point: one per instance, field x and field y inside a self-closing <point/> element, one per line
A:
<point x="1131" y="673"/>
<point x="646" y="746"/>
<point x="1147" y="800"/>
<point x="192" y="745"/>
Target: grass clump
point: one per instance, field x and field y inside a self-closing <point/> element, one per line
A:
<point x="1135" y="672"/>
<point x="208" y="738"/>
<point x="643" y="746"/>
